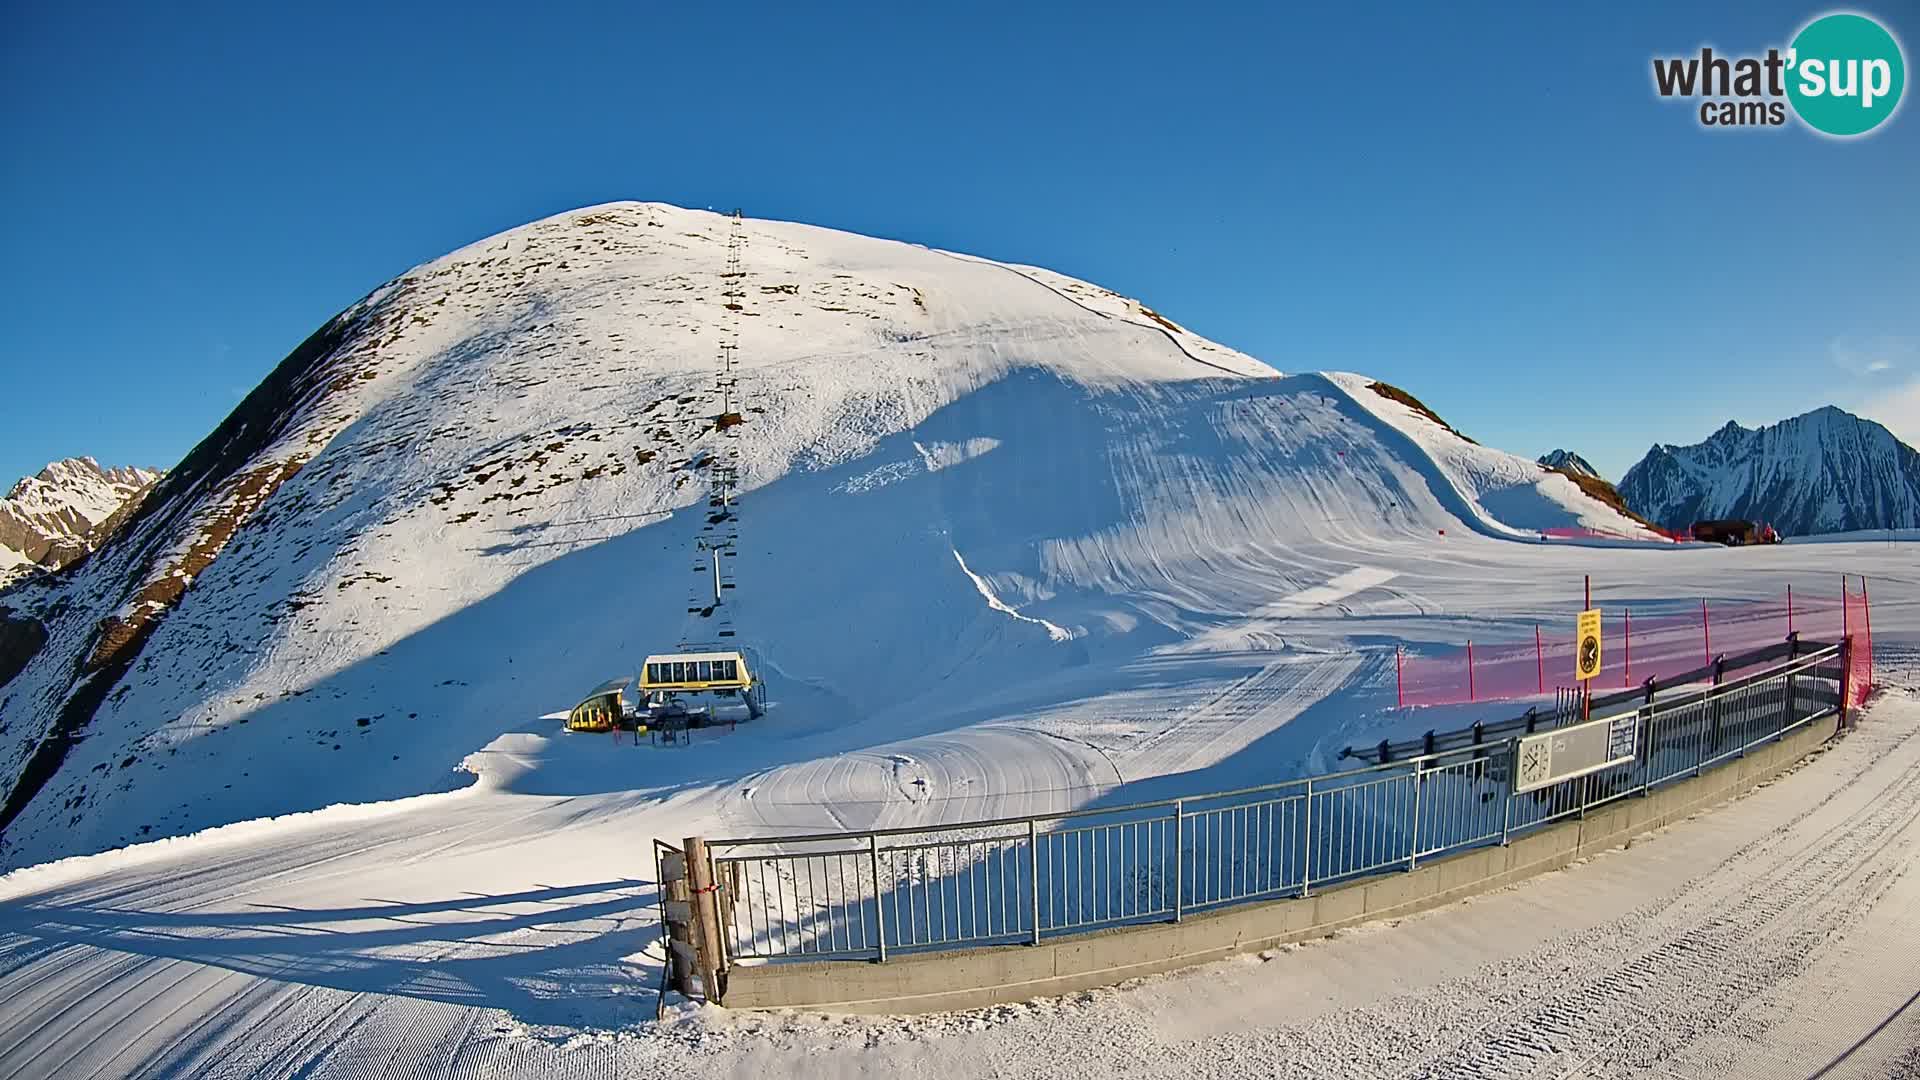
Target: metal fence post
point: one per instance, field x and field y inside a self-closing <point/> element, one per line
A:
<point x="1179" y="860"/>
<point x="1653" y="735"/>
<point x="1306" y="840"/>
<point x="1413" y="846"/>
<point x="879" y="908"/>
<point x="1866" y="618"/>
<point x="1787" y="715"/>
<point x="1506" y="800"/>
<point x="1846" y="679"/>
<point x="1033" y="860"/>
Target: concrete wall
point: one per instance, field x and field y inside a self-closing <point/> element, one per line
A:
<point x="934" y="982"/>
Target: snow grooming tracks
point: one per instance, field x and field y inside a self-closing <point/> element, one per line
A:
<point x="1248" y="709"/>
<point x="1715" y="944"/>
<point x="1494" y="493"/>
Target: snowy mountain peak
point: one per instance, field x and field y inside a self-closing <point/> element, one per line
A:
<point x="1822" y="471"/>
<point x="64" y="511"/>
<point x="81" y="484"/>
<point x="1568" y="460"/>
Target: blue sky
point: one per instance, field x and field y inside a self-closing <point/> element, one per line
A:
<point x="1493" y="211"/>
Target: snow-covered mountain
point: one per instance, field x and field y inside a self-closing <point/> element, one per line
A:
<point x="477" y="492"/>
<point x="1822" y="472"/>
<point x="53" y="518"/>
<point x="1570" y="461"/>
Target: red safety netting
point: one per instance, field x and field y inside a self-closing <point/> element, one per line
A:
<point x="1858" y="615"/>
<point x="1636" y="645"/>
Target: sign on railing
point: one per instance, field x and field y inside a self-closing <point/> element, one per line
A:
<point x="1573" y="751"/>
<point x="1587" y="645"/>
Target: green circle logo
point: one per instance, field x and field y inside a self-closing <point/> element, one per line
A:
<point x="1845" y="74"/>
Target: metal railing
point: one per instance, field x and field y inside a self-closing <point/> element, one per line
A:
<point x="1019" y="880"/>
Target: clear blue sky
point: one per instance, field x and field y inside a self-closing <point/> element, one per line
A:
<point x="1494" y="212"/>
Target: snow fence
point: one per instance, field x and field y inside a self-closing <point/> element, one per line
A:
<point x="1652" y="642"/>
<point x="1344" y="839"/>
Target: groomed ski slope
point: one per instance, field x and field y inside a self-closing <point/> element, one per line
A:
<point x="1494" y="491"/>
<point x="974" y="492"/>
<point x="507" y="929"/>
<point x="1012" y="544"/>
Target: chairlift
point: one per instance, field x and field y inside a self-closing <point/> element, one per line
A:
<point x="667" y="678"/>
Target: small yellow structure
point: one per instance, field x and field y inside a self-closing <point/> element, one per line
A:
<point x="607" y="708"/>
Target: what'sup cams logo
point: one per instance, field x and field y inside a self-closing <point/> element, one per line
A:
<point x="1842" y="76"/>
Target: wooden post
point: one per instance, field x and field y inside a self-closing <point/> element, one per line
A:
<point x="706" y="919"/>
<point x="677" y="909"/>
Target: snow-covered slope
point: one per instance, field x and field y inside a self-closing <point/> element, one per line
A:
<point x="1497" y="492"/>
<point x="474" y="495"/>
<point x="1821" y="472"/>
<point x="1568" y="460"/>
<point x="54" y="517"/>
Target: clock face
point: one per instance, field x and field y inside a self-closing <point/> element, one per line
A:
<point x="1589" y="656"/>
<point x="1535" y="761"/>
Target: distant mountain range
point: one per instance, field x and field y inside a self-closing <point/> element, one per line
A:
<point x="1822" y="472"/>
<point x="65" y="511"/>
<point x="1568" y="461"/>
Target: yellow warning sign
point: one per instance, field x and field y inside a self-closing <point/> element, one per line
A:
<point x="1586" y="653"/>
